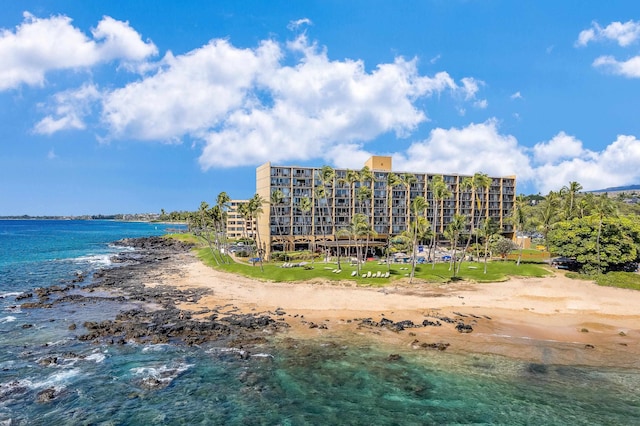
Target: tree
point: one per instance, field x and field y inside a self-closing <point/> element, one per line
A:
<point x="350" y="179"/>
<point x="255" y="209"/>
<point x="487" y="230"/>
<point x="406" y="180"/>
<point x="503" y="246"/>
<point x="222" y="208"/>
<point x="277" y="197"/>
<point x="419" y="208"/>
<point x="440" y="191"/>
<point x="356" y="229"/>
<point x="602" y="208"/>
<point x="305" y="207"/>
<point x="454" y="228"/>
<point x="518" y="219"/>
<point x="393" y="180"/>
<point x="616" y="245"/>
<point x="548" y="215"/>
<point x="569" y="196"/>
<point x="327" y="177"/>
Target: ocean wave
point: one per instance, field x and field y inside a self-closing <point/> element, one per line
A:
<point x="95" y="259"/>
<point x="4" y="295"/>
<point x="162" y="376"/>
<point x="97" y="357"/>
<point x="161" y="347"/>
<point x="7" y="319"/>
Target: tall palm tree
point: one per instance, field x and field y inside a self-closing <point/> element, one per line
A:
<point x="440" y="191"/>
<point x="255" y="209"/>
<point x="393" y="180"/>
<point x="519" y="219"/>
<point x="487" y="230"/>
<point x="454" y="228"/>
<point x="350" y="179"/>
<point x="482" y="184"/>
<point x="222" y="205"/>
<point x="305" y="207"/>
<point x="548" y="215"/>
<point x="569" y="195"/>
<point x="407" y="179"/>
<point x="419" y="208"/>
<point x="603" y="207"/>
<point x="327" y="179"/>
<point x="204" y="227"/>
<point x="276" y="198"/>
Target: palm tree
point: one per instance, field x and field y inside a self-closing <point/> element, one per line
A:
<point x="487" y="230"/>
<point x="204" y="228"/>
<point x="327" y="177"/>
<point x="419" y="208"/>
<point x="356" y="229"/>
<point x="440" y="191"/>
<point x="222" y="205"/>
<point x="518" y="219"/>
<point x="482" y="184"/>
<point x="393" y="180"/>
<point x="277" y="197"/>
<point x="603" y="207"/>
<point x="454" y="228"/>
<point x="569" y="195"/>
<point x="406" y="180"/>
<point x="548" y="215"/>
<point x="305" y="207"/>
<point x="255" y="209"/>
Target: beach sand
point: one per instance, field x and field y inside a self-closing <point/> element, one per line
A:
<point x="553" y="320"/>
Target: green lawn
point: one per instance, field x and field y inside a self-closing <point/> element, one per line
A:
<point x="472" y="271"/>
<point x="628" y="280"/>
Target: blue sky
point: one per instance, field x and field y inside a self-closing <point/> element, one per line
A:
<point x="123" y="107"/>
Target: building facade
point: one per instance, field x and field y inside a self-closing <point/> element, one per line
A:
<point x="313" y="209"/>
<point x="237" y="226"/>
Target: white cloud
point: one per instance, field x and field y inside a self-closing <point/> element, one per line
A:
<point x="51" y="155"/>
<point x="623" y="33"/>
<point x="38" y="46"/>
<point x="467" y="150"/>
<point x="481" y="104"/>
<point x="560" y="147"/>
<point x="435" y="59"/>
<point x="629" y="68"/>
<point x="294" y="25"/>
<point x="516" y="95"/>
<point x="71" y="107"/>
<point x="616" y="165"/>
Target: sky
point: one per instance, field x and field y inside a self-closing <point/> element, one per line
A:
<point x="130" y="107"/>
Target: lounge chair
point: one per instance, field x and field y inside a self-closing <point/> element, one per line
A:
<point x="386" y="274"/>
<point x="354" y="273"/>
<point x="368" y="274"/>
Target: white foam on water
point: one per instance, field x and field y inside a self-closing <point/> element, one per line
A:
<point x="4" y="295"/>
<point x="97" y="357"/>
<point x="164" y="373"/>
<point x="7" y="319"/>
<point x="262" y="355"/>
<point x="96" y="259"/>
<point x="161" y="347"/>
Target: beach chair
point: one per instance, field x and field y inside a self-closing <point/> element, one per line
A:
<point x="368" y="274"/>
<point x="378" y="274"/>
<point x="354" y="273"/>
<point x="386" y="274"/>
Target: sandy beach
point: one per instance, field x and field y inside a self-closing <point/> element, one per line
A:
<point x="553" y="320"/>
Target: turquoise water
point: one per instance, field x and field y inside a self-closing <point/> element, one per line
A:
<point x="289" y="383"/>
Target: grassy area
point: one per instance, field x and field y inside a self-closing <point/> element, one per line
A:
<point x="473" y="271"/>
<point x="628" y="280"/>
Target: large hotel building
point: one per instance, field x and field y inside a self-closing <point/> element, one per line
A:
<point x="286" y="226"/>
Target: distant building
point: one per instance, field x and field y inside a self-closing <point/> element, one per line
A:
<point x="286" y="227"/>
<point x="237" y="226"/>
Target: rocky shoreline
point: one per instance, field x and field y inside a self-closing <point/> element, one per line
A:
<point x="152" y="316"/>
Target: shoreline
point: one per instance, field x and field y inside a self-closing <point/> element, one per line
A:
<point x="552" y="320"/>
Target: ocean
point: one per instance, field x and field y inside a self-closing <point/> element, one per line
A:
<point x="312" y="382"/>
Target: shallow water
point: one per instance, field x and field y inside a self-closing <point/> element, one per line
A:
<point x="287" y="382"/>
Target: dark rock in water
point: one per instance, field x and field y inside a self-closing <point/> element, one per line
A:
<point x="394" y="357"/>
<point x="25" y="326"/>
<point x="24" y="296"/>
<point x="72" y="326"/>
<point x="46" y="395"/>
<point x="50" y="360"/>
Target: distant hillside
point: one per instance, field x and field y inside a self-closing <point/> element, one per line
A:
<point x="627" y="188"/>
